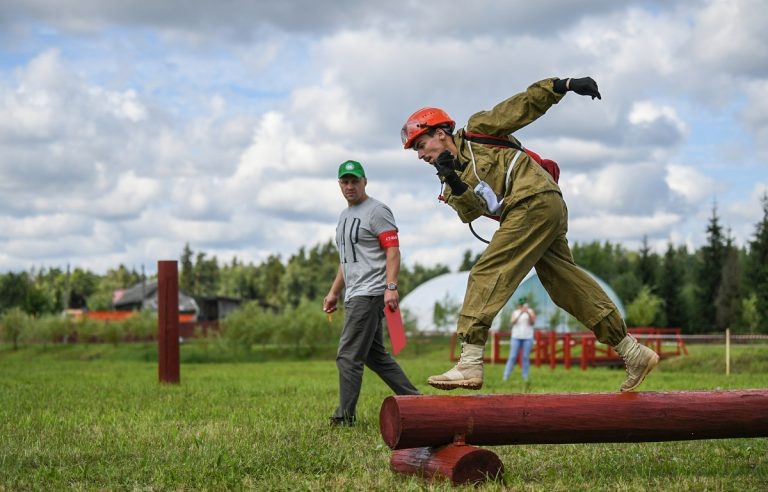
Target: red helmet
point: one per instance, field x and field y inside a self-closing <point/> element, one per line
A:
<point x="421" y="121"/>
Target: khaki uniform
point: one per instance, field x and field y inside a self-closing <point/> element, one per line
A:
<point x="534" y="222"/>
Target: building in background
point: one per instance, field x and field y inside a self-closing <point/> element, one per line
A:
<point x="144" y="296"/>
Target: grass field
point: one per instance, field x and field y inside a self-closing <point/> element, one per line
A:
<point x="95" y="418"/>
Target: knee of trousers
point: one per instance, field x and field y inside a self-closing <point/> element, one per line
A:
<point x="349" y="362"/>
<point x="611" y="329"/>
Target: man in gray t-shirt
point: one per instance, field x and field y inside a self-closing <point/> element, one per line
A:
<point x="369" y="263"/>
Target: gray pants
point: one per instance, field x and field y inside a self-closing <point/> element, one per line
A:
<point x="362" y="344"/>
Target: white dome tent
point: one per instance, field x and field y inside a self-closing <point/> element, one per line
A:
<point x="447" y="291"/>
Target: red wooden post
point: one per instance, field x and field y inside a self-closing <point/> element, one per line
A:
<point x="453" y="347"/>
<point x="502" y="419"/>
<point x="539" y="348"/>
<point x="461" y="464"/>
<point x="552" y="350"/>
<point x="567" y="350"/>
<point x="168" y="321"/>
<point x="495" y="339"/>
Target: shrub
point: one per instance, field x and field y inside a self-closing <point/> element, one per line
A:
<point x="110" y="331"/>
<point x="141" y="326"/>
<point x="13" y="324"/>
<point x="51" y="328"/>
<point x="248" y="326"/>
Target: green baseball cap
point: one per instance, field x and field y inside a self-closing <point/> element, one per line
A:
<point x="351" y="167"/>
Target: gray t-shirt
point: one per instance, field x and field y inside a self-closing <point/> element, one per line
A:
<point x="363" y="260"/>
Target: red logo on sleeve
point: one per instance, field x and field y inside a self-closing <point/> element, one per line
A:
<point x="389" y="239"/>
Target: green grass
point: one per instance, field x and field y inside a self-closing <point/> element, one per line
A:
<point x="96" y="418"/>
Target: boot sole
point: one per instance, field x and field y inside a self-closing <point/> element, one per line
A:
<point x="648" y="368"/>
<point x="471" y="384"/>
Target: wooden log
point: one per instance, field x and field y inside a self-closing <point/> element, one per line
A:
<point x="461" y="464"/>
<point x="435" y="420"/>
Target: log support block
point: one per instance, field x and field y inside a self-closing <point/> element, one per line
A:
<point x="460" y="464"/>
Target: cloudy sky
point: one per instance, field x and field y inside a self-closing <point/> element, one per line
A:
<point x="130" y="128"/>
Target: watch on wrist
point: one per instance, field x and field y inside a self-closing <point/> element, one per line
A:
<point x="391" y="286"/>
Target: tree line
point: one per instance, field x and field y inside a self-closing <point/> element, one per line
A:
<point x="717" y="286"/>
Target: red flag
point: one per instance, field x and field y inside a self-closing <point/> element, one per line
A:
<point x="395" y="327"/>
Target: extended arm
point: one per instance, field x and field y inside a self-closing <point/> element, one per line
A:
<point x="526" y="107"/>
<point x="330" y="300"/>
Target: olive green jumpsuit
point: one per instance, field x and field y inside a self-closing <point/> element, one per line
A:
<point x="532" y="229"/>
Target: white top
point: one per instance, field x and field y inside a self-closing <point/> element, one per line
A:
<point x="522" y="323"/>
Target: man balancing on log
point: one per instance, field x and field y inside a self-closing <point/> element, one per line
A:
<point x="485" y="176"/>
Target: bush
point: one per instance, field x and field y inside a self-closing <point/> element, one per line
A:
<point x="141" y="326"/>
<point x="13" y="325"/>
<point x="248" y="326"/>
<point x="50" y="328"/>
<point x="88" y="330"/>
<point x="306" y="327"/>
<point x="300" y="329"/>
<point x="110" y="331"/>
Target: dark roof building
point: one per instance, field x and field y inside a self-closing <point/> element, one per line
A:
<point x="144" y="296"/>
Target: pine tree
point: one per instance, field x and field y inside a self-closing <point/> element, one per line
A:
<point x="728" y="298"/>
<point x="757" y="274"/>
<point x="670" y="288"/>
<point x="187" y="275"/>
<point x="647" y="266"/>
<point x="712" y="258"/>
<point x="468" y="261"/>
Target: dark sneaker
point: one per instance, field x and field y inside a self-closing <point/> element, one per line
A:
<point x="342" y="422"/>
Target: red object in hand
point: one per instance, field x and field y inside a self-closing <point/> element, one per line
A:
<point x="395" y="328"/>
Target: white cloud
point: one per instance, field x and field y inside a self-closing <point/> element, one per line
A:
<point x="159" y="125"/>
<point x="618" y="228"/>
<point x="692" y="185"/>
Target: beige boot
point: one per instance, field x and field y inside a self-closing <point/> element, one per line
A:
<point x="639" y="359"/>
<point x="468" y="373"/>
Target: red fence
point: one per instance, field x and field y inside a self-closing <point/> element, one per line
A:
<point x="582" y="348"/>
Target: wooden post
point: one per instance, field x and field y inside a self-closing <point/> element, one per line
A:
<point x="461" y="464"/>
<point x="168" y="321"/>
<point x="727" y="351"/>
<point x="499" y="419"/>
<point x="539" y="348"/>
<point x="552" y="349"/>
<point x="495" y="337"/>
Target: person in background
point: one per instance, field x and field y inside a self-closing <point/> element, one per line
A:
<point x="507" y="182"/>
<point x="369" y="254"/>
<point x="522" y="321"/>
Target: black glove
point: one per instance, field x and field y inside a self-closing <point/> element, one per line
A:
<point x="585" y="86"/>
<point x="446" y="166"/>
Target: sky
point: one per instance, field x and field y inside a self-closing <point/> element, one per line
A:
<point x="132" y="128"/>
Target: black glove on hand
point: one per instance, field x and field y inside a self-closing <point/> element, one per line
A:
<point x="446" y="166"/>
<point x="585" y="86"/>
